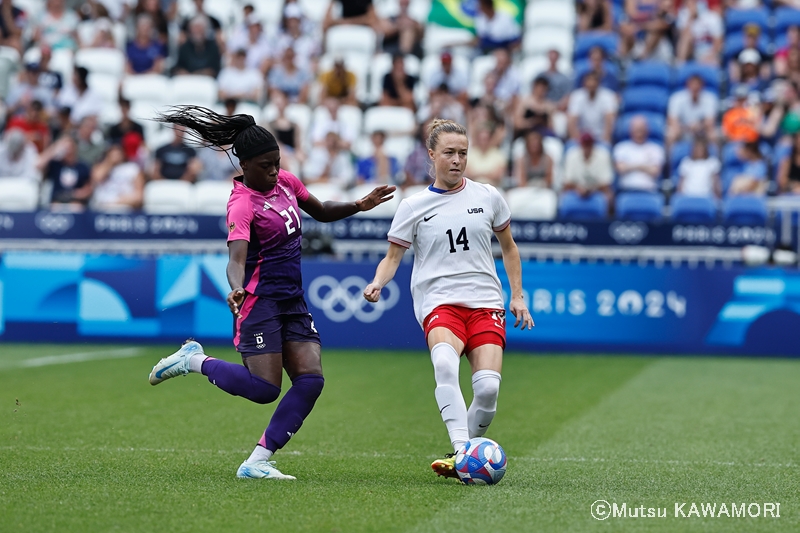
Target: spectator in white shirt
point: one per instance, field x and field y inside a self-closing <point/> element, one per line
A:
<point x="82" y="101"/>
<point x="240" y="81"/>
<point x="588" y="170"/>
<point x="698" y="174"/>
<point x="701" y="32"/>
<point x="326" y="123"/>
<point x="592" y="109"/>
<point x="455" y="78"/>
<point x="507" y="88"/>
<point x="260" y="51"/>
<point x="639" y="162"/>
<point x="332" y="163"/>
<point x="18" y="156"/>
<point x="495" y="29"/>
<point x="118" y="182"/>
<point x="305" y="44"/>
<point x="692" y="111"/>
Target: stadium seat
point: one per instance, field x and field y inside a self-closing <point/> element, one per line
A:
<point x="314" y="9"/>
<point x="645" y="98"/>
<point x="110" y="115"/>
<point x="643" y="206"/>
<point x="168" y="197"/>
<point x="481" y="67"/>
<point x="101" y="60"/>
<point x="550" y="14"/>
<point x="10" y="62"/>
<point x="610" y="80"/>
<point x="192" y="89"/>
<point x="348" y="39"/>
<point x="431" y="63"/>
<point x="385" y="210"/>
<point x="745" y="210"/>
<point x="736" y="19"/>
<point x="784" y="18"/>
<point x="380" y="65"/>
<point x="325" y="192"/>
<point x="693" y="209"/>
<point x="269" y="11"/>
<point x="586" y="41"/>
<point x="392" y="120"/>
<point x="709" y="74"/>
<point x="530" y="203"/>
<point x="545" y="39"/>
<point x="211" y="197"/>
<point x="437" y="38"/>
<point x="649" y="73"/>
<point x="18" y="194"/>
<point x="105" y="85"/>
<point x="399" y="147"/>
<point x="734" y="43"/>
<point x="574" y="207"/>
<point x="146" y="87"/>
<point x="531" y="67"/>
<point x="655" y="123"/>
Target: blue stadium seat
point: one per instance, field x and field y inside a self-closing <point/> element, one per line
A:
<point x="611" y="80"/>
<point x="730" y="153"/>
<point x="693" y="209"/>
<point x="644" y="206"/>
<point x="785" y="17"/>
<point x="711" y="76"/>
<point x="586" y="41"/>
<point x="679" y="150"/>
<point x="734" y="43"/>
<point x="645" y="98"/>
<point x="745" y="210"/>
<point x="735" y="19"/>
<point x="649" y="73"/>
<point x="571" y="206"/>
<point x="655" y="122"/>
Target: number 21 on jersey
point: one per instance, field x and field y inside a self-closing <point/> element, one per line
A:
<point x="290" y="228"/>
<point x="461" y="239"/>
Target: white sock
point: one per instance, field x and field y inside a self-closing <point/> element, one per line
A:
<point x="259" y="454"/>
<point x="486" y="386"/>
<point x="196" y="362"/>
<point x="448" y="393"/>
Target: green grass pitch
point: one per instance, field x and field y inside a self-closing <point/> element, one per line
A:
<point x="86" y="444"/>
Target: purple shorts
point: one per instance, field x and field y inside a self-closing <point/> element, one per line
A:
<point x="266" y="324"/>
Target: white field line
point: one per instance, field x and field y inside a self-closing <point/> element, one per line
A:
<point x="187" y="451"/>
<point x="78" y="357"/>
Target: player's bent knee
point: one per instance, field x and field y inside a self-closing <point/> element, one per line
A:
<point x="486" y="387"/>
<point x="263" y="392"/>
<point x="310" y="385"/>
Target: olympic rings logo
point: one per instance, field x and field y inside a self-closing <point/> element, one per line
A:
<point x="343" y="300"/>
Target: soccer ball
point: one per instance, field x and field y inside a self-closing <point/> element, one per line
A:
<point x="481" y="461"/>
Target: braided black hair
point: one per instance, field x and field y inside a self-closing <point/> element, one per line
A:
<point x="212" y="130"/>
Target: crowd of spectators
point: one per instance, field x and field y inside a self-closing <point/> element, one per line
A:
<point x="699" y="98"/>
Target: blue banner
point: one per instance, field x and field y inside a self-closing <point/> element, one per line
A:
<point x="577" y="307"/>
<point x="47" y="225"/>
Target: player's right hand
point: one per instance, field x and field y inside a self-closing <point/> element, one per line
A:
<point x="373" y="292"/>
<point x="235" y="300"/>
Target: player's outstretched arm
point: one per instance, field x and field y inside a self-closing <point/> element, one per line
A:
<point x="333" y="211"/>
<point x="513" y="267"/>
<point x="386" y="270"/>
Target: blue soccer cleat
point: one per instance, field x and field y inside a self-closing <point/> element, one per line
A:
<point x="260" y="470"/>
<point x="176" y="364"/>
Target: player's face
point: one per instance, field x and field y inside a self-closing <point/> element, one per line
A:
<point x="261" y="172"/>
<point x="450" y="158"/>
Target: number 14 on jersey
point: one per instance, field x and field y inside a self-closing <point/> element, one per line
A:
<point x="461" y="239"/>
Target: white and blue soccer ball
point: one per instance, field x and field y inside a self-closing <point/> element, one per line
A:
<point x="481" y="461"/>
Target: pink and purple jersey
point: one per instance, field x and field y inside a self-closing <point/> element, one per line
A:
<point x="270" y="223"/>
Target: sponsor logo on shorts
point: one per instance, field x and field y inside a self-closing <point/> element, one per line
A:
<point x="259" y="340"/>
<point x="499" y="318"/>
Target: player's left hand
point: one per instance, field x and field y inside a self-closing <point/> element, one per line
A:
<point x="380" y="194"/>
<point x="520" y="311"/>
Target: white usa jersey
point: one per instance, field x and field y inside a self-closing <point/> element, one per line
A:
<point x="451" y="232"/>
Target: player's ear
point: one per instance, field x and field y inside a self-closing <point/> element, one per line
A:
<point x="430" y="154"/>
<point x="244" y="164"/>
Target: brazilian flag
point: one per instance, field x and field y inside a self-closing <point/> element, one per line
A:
<point x="461" y="13"/>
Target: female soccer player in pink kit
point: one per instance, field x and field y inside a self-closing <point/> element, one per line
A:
<point x="273" y="329"/>
<point x="457" y="296"/>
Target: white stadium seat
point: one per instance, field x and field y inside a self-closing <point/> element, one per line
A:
<point x="385" y="210"/>
<point x="211" y="197"/>
<point x="168" y="197"/>
<point x="325" y="192"/>
<point x="400" y="147"/>
<point x="101" y="60"/>
<point x="18" y="194"/>
<point x="193" y="89"/>
<point x="543" y="40"/>
<point x="349" y="38"/>
<point x="105" y="85"/>
<point x="550" y="14"/>
<point x="432" y="63"/>
<point x="392" y="120"/>
<point x="439" y="37"/>
<point x="146" y="88"/>
<point x="530" y="203"/>
<point x="530" y="67"/>
<point x="314" y="9"/>
<point x="481" y="67"/>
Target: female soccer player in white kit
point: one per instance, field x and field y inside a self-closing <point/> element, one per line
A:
<point x="458" y="299"/>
